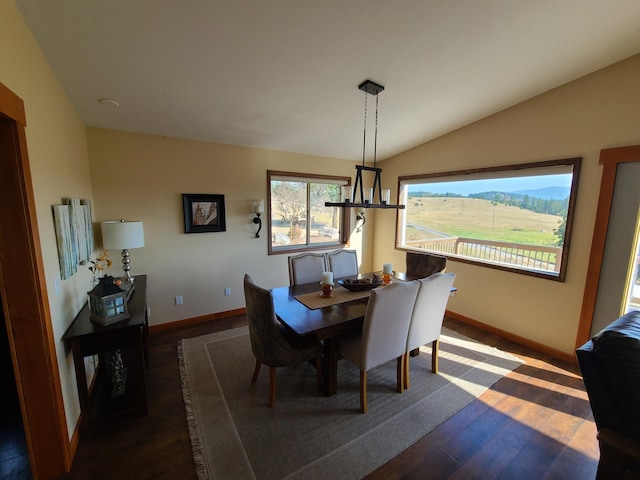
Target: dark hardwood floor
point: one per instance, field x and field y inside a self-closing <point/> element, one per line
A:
<point x="535" y="423"/>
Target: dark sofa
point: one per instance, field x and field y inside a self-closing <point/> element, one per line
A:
<point x="610" y="367"/>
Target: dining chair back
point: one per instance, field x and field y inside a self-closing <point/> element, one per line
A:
<point x="384" y="333"/>
<point x="421" y="265"/>
<point x="427" y="317"/>
<point x="271" y="342"/>
<point x="343" y="263"/>
<point x="306" y="268"/>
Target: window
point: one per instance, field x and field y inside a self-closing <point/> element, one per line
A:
<point x="632" y="302"/>
<point x="298" y="219"/>
<point x="516" y="218"/>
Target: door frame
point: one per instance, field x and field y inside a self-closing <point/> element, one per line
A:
<point x="26" y="303"/>
<point x="609" y="159"/>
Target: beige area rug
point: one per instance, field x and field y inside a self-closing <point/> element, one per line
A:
<point x="306" y="435"/>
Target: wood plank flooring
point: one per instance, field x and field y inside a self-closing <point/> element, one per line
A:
<point x="535" y="423"/>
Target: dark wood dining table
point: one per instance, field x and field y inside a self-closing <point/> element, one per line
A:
<point x="325" y="323"/>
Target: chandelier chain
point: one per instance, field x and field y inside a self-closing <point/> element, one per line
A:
<point x="375" y="136"/>
<point x="364" y="135"/>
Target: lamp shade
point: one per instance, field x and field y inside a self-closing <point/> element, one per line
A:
<point x="122" y="235"/>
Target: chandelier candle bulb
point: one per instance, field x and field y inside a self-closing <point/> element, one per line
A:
<point x="386" y="195"/>
<point x="346" y="194"/>
<point x="368" y="195"/>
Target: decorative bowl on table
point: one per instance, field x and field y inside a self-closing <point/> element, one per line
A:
<point x="359" y="284"/>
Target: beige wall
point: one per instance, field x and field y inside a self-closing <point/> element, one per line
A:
<point x="58" y="156"/>
<point x="595" y="112"/>
<point x="143" y="177"/>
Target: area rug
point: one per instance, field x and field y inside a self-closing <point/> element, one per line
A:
<point x="235" y="435"/>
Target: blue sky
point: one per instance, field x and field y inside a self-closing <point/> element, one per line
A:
<point x="467" y="187"/>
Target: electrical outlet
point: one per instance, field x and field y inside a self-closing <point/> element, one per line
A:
<point x="148" y="311"/>
<point x="227" y="292"/>
<point x="178" y="299"/>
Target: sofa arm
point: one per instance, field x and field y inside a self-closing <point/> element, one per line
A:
<point x="619" y="455"/>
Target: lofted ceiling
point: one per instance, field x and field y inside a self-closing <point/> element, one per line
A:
<point x="284" y="74"/>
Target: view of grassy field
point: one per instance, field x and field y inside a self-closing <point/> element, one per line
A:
<point x="479" y="219"/>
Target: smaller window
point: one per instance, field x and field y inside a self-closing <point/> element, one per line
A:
<point x="516" y="218"/>
<point x="298" y="219"/>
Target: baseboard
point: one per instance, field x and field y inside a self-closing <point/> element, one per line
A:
<point x="514" y="338"/>
<point x="470" y="321"/>
<point x="196" y="320"/>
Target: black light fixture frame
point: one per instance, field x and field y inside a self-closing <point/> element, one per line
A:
<point x="258" y="221"/>
<point x="372" y="88"/>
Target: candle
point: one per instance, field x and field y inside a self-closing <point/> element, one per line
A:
<point x="327" y="277"/>
<point x="387" y="268"/>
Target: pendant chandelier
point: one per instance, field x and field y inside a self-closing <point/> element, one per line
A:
<point x="359" y="197"/>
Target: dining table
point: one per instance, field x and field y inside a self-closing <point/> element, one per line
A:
<point x="303" y="310"/>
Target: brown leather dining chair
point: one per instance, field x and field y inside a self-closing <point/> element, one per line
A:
<point x="271" y="343"/>
<point x="421" y="265"/>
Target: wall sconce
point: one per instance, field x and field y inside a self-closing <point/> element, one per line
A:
<point x="360" y="218"/>
<point x="258" y="209"/>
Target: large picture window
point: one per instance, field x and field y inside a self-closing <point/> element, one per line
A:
<point x="515" y="218"/>
<point x="298" y="219"/>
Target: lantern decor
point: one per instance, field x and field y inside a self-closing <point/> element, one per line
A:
<point x="108" y="302"/>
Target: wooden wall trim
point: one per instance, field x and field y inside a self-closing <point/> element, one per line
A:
<point x="196" y="320"/>
<point x="26" y="304"/>
<point x="620" y="155"/>
<point x="514" y="338"/>
<point x="12" y="106"/>
<point x="609" y="158"/>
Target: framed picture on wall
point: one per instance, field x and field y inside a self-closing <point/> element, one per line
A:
<point x="203" y="213"/>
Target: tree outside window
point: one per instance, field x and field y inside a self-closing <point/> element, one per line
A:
<point x="298" y="219"/>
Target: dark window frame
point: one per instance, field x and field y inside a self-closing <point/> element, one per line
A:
<point x="344" y="226"/>
<point x="574" y="163"/>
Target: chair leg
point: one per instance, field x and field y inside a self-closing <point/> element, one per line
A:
<point x="319" y="372"/>
<point x="407" y="382"/>
<point x="434" y="355"/>
<point x="272" y="386"/>
<point x="363" y="391"/>
<point x="400" y="374"/>
<point x="256" y="371"/>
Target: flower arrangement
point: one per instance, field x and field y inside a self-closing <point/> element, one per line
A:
<point x="101" y="262"/>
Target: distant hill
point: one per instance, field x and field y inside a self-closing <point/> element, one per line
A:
<point x="552" y="193"/>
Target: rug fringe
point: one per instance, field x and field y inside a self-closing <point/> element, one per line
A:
<point x="194" y="431"/>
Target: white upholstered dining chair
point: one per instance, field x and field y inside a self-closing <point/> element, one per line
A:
<point x="343" y="263"/>
<point x="427" y="317"/>
<point x="384" y="333"/>
<point x="306" y="268"/>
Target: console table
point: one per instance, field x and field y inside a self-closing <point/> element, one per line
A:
<point x="129" y="338"/>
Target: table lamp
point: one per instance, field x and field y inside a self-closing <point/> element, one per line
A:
<point x="123" y="235"/>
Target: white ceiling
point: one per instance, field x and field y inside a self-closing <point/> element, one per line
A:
<point x="283" y="74"/>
